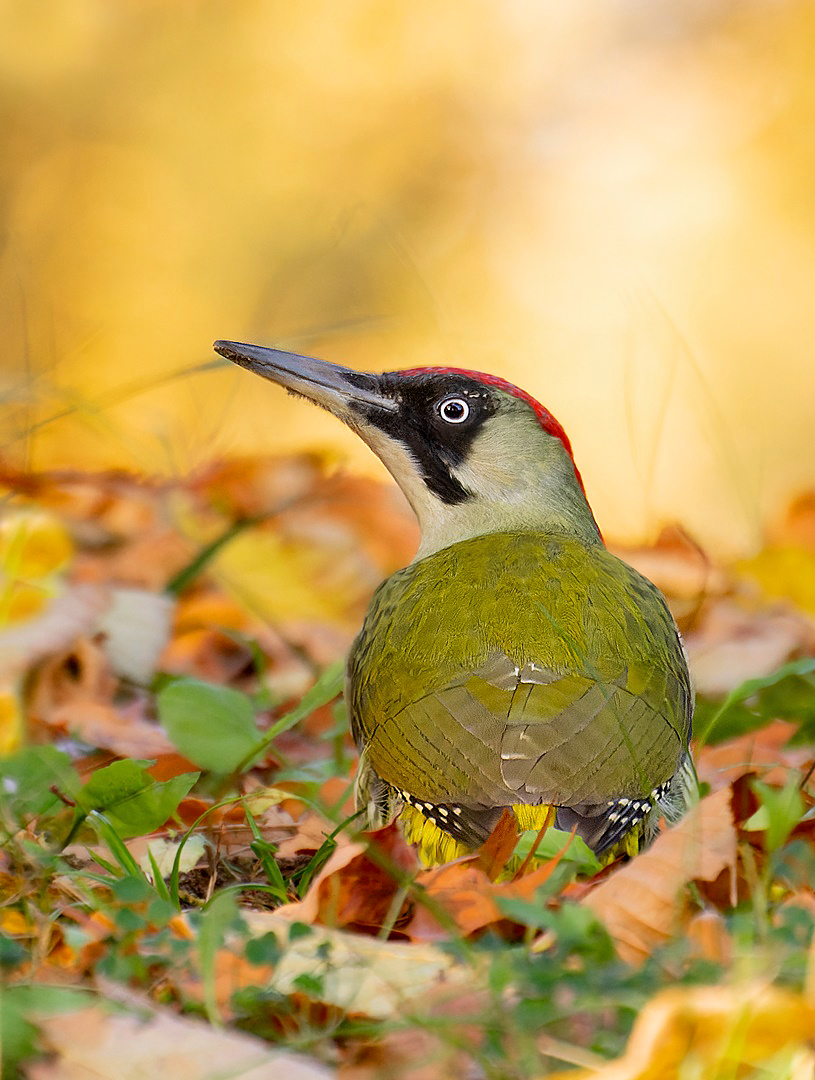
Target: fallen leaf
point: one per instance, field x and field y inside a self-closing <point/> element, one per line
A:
<point x="76" y="692"/>
<point x="325" y="544"/>
<point x="449" y="1025"/>
<point x="679" y="567"/>
<point x="309" y="836"/>
<point x="71" y="614"/>
<point x="797" y="527"/>
<point x="709" y="937"/>
<point x="357" y="973"/>
<point x="495" y="852"/>
<point x="93" y="1043"/>
<point x="784" y="573"/>
<point x="764" y="752"/>
<point x="461" y="897"/>
<point x="641" y="904"/>
<point x="357" y="886"/>
<point x="714" y="1033"/>
<point x="136" y="628"/>
<point x="733" y="644"/>
<point x="164" y="853"/>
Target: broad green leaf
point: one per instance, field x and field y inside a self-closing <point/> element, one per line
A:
<point x="780" y="811"/>
<point x="27" y="777"/>
<point x="131" y="800"/>
<point x="150" y="809"/>
<point x="213" y="726"/>
<point x="114" y="784"/>
<point x="553" y="842"/>
<point x="733" y="717"/>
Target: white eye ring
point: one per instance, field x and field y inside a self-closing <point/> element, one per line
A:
<point x="457" y="414"/>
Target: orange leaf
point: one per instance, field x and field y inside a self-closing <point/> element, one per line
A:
<point x="463" y="893"/>
<point x="499" y="845"/>
<point x="358" y="884"/>
<point x="642" y="903"/>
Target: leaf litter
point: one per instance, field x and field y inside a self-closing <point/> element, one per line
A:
<point x="167" y="632"/>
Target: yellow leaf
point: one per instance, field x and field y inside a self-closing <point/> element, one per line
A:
<point x="33" y="545"/>
<point x="715" y="1033"/>
<point x="11" y="719"/>
<point x="280" y="580"/>
<point x="784" y="573"/>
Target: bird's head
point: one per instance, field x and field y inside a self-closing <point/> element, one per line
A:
<point x="472" y="453"/>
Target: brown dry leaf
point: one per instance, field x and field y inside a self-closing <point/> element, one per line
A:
<point x="310" y="834"/>
<point x="307" y="910"/>
<point x="641" y="904"/>
<point x="733" y="644"/>
<point x="125" y="731"/>
<point x="358" y="884"/>
<point x="232" y="972"/>
<point x="148" y="561"/>
<point x="495" y="852"/>
<point x="232" y="835"/>
<point x="461" y="895"/>
<point x="765" y="752"/>
<point x="115" y="502"/>
<point x="438" y="1050"/>
<point x="70" y="615"/>
<point x="75" y="693"/>
<point x="306" y="498"/>
<point x="247" y="487"/>
<point x="797" y="528"/>
<point x="715" y="1033"/>
<point x="206" y="644"/>
<point x="311" y="567"/>
<point x="709" y="937"/>
<point x="94" y="1045"/>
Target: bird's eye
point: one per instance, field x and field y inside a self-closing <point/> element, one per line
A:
<point x="454" y="410"/>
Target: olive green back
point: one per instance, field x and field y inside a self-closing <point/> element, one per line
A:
<point x="520" y="668"/>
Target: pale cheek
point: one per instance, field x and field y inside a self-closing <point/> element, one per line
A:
<point x="490" y="480"/>
<point x="400" y="464"/>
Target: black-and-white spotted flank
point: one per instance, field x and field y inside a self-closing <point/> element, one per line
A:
<point x="626" y="814"/>
<point x="622" y="816"/>
<point x="444" y="815"/>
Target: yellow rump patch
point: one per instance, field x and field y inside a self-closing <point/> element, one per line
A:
<point x="437" y="846"/>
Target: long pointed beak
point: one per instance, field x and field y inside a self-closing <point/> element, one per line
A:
<point x="334" y="387"/>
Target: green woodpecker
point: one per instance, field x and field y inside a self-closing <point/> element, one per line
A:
<point x="515" y="662"/>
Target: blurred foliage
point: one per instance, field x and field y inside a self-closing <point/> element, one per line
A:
<point x="610" y="206"/>
<point x="180" y="853"/>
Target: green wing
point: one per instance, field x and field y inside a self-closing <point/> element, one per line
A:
<point x="520" y="669"/>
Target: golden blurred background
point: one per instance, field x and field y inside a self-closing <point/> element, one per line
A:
<point x="610" y="204"/>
